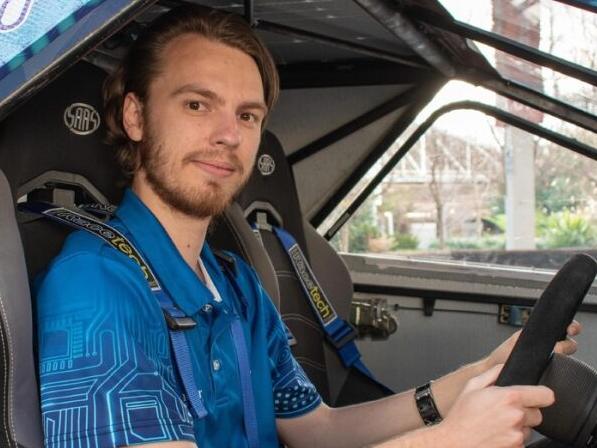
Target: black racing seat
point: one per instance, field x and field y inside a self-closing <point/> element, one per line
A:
<point x="50" y="148"/>
<point x="271" y="193"/>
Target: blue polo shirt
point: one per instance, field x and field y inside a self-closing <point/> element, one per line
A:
<point x="107" y="376"/>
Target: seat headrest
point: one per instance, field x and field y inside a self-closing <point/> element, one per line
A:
<point x="61" y="129"/>
<point x="272" y="189"/>
<point x="58" y="134"/>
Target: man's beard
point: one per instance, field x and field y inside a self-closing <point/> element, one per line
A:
<point x="199" y="201"/>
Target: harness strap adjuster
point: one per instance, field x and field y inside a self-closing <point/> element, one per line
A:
<point x="344" y="334"/>
<point x="179" y="323"/>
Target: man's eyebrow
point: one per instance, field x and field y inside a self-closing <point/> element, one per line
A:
<point x="255" y="105"/>
<point x="195" y="88"/>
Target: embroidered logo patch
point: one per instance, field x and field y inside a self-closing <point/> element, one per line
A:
<point x="81" y="119"/>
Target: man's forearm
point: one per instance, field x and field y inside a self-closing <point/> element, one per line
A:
<point x="398" y="414"/>
<point x="374" y="424"/>
<point x="376" y="421"/>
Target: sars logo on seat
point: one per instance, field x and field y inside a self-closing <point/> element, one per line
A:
<point x="13" y="13"/>
<point x="266" y="164"/>
<point x="81" y="119"/>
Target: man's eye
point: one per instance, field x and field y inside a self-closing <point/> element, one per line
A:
<point x="194" y="105"/>
<point x="247" y="116"/>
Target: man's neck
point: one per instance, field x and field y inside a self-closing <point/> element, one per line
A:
<point x="187" y="232"/>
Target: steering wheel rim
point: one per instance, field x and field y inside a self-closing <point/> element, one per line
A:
<point x="548" y="322"/>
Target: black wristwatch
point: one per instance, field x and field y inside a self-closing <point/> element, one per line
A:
<point x="426" y="405"/>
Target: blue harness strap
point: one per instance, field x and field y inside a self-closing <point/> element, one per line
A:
<point x="339" y="333"/>
<point x="177" y="321"/>
<point x="242" y="357"/>
<point x="244" y="365"/>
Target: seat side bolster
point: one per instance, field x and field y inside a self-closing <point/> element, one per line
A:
<point x="21" y="398"/>
<point x="331" y="271"/>
<point x="236" y="235"/>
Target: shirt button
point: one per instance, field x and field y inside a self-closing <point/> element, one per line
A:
<point x="216" y="364"/>
<point x="207" y="308"/>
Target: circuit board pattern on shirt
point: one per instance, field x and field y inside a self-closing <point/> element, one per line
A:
<point x="107" y="384"/>
<point x="294" y="394"/>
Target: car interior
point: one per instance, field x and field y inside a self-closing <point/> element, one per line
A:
<point x="354" y="76"/>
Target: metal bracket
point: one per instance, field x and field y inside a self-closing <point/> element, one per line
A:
<point x="371" y="317"/>
<point x="428" y="307"/>
<point x="514" y="315"/>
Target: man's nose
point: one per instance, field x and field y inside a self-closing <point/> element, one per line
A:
<point x="226" y="131"/>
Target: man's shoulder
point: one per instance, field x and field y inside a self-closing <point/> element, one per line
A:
<point x="82" y="246"/>
<point x="89" y="276"/>
<point x="85" y="256"/>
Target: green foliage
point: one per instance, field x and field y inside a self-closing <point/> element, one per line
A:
<point x="566" y="229"/>
<point x="405" y="241"/>
<point x="561" y="229"/>
<point x="559" y="194"/>
<point x="499" y="221"/>
<point x="362" y="227"/>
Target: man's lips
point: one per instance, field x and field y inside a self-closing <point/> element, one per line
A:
<point x="217" y="168"/>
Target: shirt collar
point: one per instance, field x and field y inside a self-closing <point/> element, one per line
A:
<point x="159" y="251"/>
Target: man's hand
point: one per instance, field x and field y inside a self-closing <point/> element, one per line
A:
<point x="566" y="347"/>
<point x="493" y="417"/>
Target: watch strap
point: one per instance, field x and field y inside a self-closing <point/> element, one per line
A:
<point x="426" y="405"/>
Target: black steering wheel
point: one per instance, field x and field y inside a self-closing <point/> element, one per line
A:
<point x="573" y="418"/>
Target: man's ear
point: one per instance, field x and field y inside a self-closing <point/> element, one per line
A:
<point x="132" y="117"/>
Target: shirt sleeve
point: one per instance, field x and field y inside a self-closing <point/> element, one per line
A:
<point x="106" y="377"/>
<point x="294" y="394"/>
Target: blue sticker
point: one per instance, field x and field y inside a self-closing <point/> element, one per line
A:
<point x="27" y="26"/>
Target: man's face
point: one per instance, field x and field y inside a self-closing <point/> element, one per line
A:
<point x="201" y="125"/>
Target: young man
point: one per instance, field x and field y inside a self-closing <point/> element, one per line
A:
<point x="186" y="111"/>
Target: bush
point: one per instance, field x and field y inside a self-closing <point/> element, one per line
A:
<point x="498" y="221"/>
<point x="405" y="241"/>
<point x="566" y="229"/>
<point x="362" y="228"/>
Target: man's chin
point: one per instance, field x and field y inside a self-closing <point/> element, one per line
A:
<point x="203" y="202"/>
<point x="200" y="206"/>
